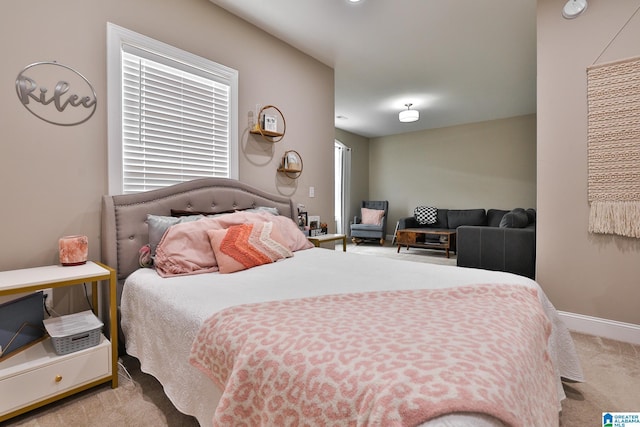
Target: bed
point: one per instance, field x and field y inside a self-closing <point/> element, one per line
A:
<point x="325" y="337"/>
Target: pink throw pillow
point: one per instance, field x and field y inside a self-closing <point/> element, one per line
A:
<point x="185" y="249"/>
<point x="247" y="245"/>
<point x="372" y="216"/>
<point x="294" y="238"/>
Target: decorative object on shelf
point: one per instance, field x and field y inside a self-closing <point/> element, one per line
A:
<point x="314" y="222"/>
<point x="56" y="93"/>
<point x="270" y="123"/>
<point x="73" y="250"/>
<point x="408" y="115"/>
<point x="267" y="124"/>
<point x="74" y="332"/>
<point x="291" y="164"/>
<point x="303" y="220"/>
<point x="315" y="227"/>
<point x="21" y="324"/>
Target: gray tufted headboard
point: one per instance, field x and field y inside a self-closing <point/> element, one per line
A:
<point x="124" y="227"/>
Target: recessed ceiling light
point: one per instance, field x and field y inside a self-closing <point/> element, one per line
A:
<point x="354" y="1"/>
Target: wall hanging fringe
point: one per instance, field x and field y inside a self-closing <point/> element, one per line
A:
<point x="613" y="96"/>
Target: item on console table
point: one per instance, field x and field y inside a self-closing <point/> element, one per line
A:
<point x="73" y="250"/>
<point x="317" y="232"/>
<point x="314" y="221"/>
<point x="303" y="220"/>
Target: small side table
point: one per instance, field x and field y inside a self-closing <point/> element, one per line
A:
<point x="317" y="240"/>
<point x="37" y="375"/>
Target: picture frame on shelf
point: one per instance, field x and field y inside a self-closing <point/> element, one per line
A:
<point x="293" y="161"/>
<point x="303" y="220"/>
<point x="270" y="123"/>
<point x="314" y="222"/>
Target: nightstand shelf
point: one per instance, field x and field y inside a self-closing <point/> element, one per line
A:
<point x="36" y="376"/>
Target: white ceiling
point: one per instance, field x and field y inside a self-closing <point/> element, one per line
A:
<point x="456" y="61"/>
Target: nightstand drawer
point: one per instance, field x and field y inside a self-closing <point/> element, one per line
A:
<point x="40" y="375"/>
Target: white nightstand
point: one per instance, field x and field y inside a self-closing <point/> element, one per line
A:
<point x="37" y="376"/>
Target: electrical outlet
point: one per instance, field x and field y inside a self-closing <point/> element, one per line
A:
<point x="48" y="298"/>
<point x="312" y="192"/>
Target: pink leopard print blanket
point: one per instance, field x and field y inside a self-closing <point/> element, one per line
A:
<point x="395" y="358"/>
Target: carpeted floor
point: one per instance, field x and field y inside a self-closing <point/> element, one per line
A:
<point x="612" y="369"/>
<point x="432" y="256"/>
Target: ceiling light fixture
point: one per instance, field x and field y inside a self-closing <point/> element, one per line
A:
<point x="408" y="115"/>
<point x="574" y="8"/>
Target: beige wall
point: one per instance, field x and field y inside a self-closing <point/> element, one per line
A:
<point x="480" y="165"/>
<point x="52" y="177"/>
<point x="595" y="275"/>
<point x="359" y="189"/>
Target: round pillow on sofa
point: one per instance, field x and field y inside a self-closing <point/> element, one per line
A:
<point x="516" y="218"/>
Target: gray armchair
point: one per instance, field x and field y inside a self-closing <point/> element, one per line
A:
<point x="361" y="232"/>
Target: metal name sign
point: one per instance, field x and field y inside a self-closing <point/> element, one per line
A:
<point x="56" y="93"/>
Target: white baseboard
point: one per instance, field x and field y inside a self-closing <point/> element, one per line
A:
<point x="612" y="329"/>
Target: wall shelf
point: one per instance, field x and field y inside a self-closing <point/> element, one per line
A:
<point x="289" y="159"/>
<point x="269" y="135"/>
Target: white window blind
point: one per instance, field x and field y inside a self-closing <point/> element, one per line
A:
<point x="175" y="125"/>
<point x="175" y="115"/>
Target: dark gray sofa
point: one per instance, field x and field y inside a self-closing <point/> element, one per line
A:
<point x="493" y="240"/>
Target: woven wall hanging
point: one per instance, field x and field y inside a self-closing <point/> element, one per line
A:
<point x="613" y="97"/>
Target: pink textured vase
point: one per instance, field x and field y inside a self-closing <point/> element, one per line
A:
<point x="73" y="250"/>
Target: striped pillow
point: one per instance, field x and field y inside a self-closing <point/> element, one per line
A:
<point x="247" y="245"/>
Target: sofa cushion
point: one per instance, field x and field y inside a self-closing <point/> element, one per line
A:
<point x="441" y="221"/>
<point x="456" y="218"/>
<point x="531" y="214"/>
<point x="516" y="218"/>
<point x="426" y="215"/>
<point x="494" y="216"/>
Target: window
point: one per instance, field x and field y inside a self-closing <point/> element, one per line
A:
<point x="172" y="115"/>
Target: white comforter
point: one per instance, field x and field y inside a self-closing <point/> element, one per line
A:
<point x="160" y="317"/>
